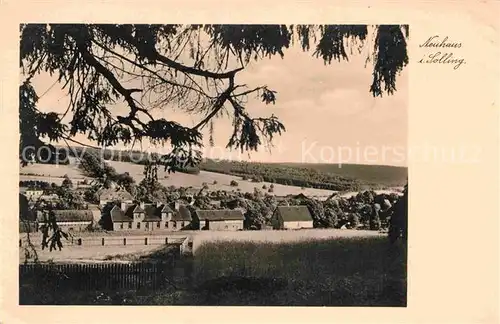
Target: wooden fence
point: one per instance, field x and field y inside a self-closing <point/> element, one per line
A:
<point x="92" y="277"/>
<point x="115" y="241"/>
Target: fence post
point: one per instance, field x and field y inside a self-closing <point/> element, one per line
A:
<point x="166" y="240"/>
<point x="124" y="241"/>
<point x="79" y="241"/>
<point x="103" y="241"/>
<point x="145" y="241"/>
<point x="20" y="243"/>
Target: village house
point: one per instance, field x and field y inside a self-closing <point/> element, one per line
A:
<point x="68" y="220"/>
<point x="114" y="194"/>
<point x="33" y="193"/>
<point x="292" y="217"/>
<point x="146" y="216"/>
<point x="220" y="220"/>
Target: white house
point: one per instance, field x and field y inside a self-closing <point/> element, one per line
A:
<point x="292" y="217"/>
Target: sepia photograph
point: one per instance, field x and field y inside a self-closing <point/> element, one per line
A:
<point x="214" y="165"/>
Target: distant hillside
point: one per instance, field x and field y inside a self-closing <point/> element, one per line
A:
<point x="347" y="177"/>
<point x="322" y="176"/>
<point x="381" y="174"/>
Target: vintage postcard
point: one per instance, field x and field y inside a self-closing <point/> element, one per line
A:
<point x="287" y="161"/>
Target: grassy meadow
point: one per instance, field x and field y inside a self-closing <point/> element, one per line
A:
<point x="357" y="271"/>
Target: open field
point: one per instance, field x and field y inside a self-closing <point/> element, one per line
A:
<point x="223" y="180"/>
<point x="272" y="236"/>
<point x="55" y="173"/>
<point x="87" y="254"/>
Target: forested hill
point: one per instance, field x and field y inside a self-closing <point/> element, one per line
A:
<point x="322" y="176"/>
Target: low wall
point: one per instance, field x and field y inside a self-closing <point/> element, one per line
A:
<point x="118" y="241"/>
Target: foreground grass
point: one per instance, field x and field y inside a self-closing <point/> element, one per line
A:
<point x="330" y="272"/>
<point x="341" y="272"/>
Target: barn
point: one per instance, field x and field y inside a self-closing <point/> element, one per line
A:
<point x="70" y="220"/>
<point x="292" y="217"/>
<point x="220" y="220"/>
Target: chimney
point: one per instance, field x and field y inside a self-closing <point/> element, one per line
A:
<point x="142" y="204"/>
<point x="176" y="205"/>
<point x="123" y="205"/>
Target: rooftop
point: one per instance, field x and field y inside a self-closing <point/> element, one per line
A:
<point x="294" y="213"/>
<point x="221" y="214"/>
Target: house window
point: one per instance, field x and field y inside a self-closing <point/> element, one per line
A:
<point x="166" y="224"/>
<point x="158" y="224"/>
<point x="121" y="226"/>
<point x="138" y="225"/>
<point x="183" y="224"/>
<point x="130" y="225"/>
<point x="175" y="224"/>
<point x="147" y="225"/>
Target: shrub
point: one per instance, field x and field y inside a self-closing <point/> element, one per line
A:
<point x="233" y="183"/>
<point x="215" y="182"/>
<point x="257" y="178"/>
<point x="264" y="187"/>
<point x="353" y="220"/>
<point x="271" y="189"/>
<point x="67" y="183"/>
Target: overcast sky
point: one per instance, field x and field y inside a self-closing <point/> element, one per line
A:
<point x="329" y="114"/>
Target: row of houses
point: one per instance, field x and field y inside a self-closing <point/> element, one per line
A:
<point x="162" y="216"/>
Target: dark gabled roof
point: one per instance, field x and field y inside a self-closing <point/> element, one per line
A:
<point x="152" y="213"/>
<point x="129" y="210"/>
<point x="72" y="216"/>
<point x="117" y="215"/>
<point x="183" y="214"/>
<point x="294" y="213"/>
<point x="166" y="209"/>
<point x="220" y="215"/>
<point x="138" y="209"/>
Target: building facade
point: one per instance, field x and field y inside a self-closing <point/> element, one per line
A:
<point x="68" y="220"/>
<point x="220" y="220"/>
<point x="114" y="194"/>
<point x="147" y="217"/>
<point x="292" y="217"/>
<point x="33" y="194"/>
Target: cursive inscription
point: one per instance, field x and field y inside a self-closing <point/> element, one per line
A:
<point x="435" y="41"/>
<point x="441" y="57"/>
